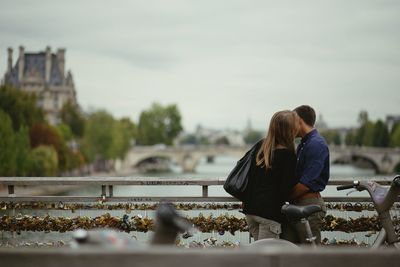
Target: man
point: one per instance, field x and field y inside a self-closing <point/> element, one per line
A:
<point x="312" y="172"/>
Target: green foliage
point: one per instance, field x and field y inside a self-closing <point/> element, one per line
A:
<point x="123" y="134"/>
<point x="7" y="149"/>
<point x="350" y="138"/>
<point x="98" y="135"/>
<point x="365" y="134"/>
<point x="189" y="139"/>
<point x="332" y="137"/>
<point x="373" y="134"/>
<point x="72" y="116"/>
<point x="159" y="124"/>
<point x="107" y="138"/>
<point x="20" y="106"/>
<point x="14" y="149"/>
<point x="381" y="137"/>
<point x="44" y="134"/>
<point x="395" y="136"/>
<point x="363" y="117"/>
<point x="203" y="140"/>
<point x="44" y="161"/>
<point x="22" y="148"/>
<point x="192" y="139"/>
<point x="65" y="132"/>
<point x="252" y="137"/>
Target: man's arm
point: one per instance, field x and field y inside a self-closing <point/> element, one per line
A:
<point x="299" y="190"/>
<point x="316" y="156"/>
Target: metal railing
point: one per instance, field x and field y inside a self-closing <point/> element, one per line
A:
<point x="110" y="182"/>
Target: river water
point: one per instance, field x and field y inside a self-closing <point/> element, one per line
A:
<point x="220" y="168"/>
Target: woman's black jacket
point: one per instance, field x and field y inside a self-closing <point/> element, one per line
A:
<point x="268" y="190"/>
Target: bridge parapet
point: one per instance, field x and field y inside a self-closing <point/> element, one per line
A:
<point x="172" y="257"/>
<point x="106" y="198"/>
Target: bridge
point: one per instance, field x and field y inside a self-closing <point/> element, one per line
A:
<point x="142" y="255"/>
<point x="382" y="160"/>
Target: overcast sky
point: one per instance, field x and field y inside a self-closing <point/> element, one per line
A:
<point x="221" y="62"/>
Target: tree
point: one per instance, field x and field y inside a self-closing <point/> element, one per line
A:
<point x="44" y="161"/>
<point x="65" y="132"/>
<point x="381" y="137"/>
<point x="98" y="135"/>
<point x="123" y="134"/>
<point x="350" y="138"/>
<point x="365" y="134"/>
<point x="363" y="117"/>
<point x="72" y="116"/>
<point x="159" y="124"/>
<point x="251" y="137"/>
<point x="20" y="106"/>
<point x="395" y="136"/>
<point x="23" y="152"/>
<point x="189" y="139"/>
<point x="332" y="137"/>
<point x="7" y="149"/>
<point x="44" y="134"/>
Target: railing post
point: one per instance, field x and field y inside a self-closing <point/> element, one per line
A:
<point x="103" y="192"/>
<point x="11" y="191"/>
<point x="110" y="191"/>
<point x="205" y="190"/>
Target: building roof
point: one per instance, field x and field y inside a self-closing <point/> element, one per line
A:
<point x="35" y="63"/>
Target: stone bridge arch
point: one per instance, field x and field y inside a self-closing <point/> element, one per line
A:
<point x="188" y="158"/>
<point x="360" y="159"/>
<point x="187" y="161"/>
<point x="382" y="160"/>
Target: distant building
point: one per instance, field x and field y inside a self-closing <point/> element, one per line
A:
<point x="42" y="73"/>
<point x="391" y="120"/>
<point x="320" y="124"/>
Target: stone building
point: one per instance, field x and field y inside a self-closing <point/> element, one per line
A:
<point x="392" y="120"/>
<point x="42" y="73"/>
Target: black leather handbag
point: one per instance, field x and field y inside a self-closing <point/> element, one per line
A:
<point x="237" y="180"/>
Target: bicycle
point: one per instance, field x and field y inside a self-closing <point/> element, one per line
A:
<point x="293" y="213"/>
<point x="383" y="199"/>
<point x="169" y="224"/>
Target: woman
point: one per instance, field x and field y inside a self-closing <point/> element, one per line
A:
<point x="272" y="177"/>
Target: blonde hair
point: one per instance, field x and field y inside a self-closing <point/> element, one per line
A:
<point x="282" y="131"/>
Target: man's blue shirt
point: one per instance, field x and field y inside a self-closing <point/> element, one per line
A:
<point x="313" y="161"/>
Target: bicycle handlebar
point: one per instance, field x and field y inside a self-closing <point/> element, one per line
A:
<point x="344" y="187"/>
<point x="348" y="186"/>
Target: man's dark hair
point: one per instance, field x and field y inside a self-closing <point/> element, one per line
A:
<point x="307" y="114"/>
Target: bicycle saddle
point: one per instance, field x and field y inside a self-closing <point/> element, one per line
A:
<point x="295" y="213"/>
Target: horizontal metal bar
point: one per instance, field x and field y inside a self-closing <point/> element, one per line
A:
<point x="116" y="199"/>
<point x="169" y="256"/>
<point x="105" y="181"/>
<point x="17" y="181"/>
<point x="151" y="199"/>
